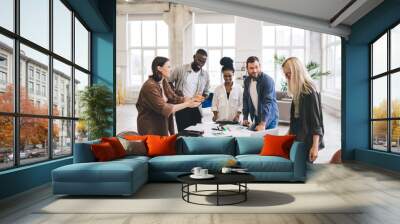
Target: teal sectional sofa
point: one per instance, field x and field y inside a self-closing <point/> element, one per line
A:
<point x="125" y="176"/>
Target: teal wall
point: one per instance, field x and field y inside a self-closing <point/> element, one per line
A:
<point x="103" y="68"/>
<point x="355" y="103"/>
<point x="24" y="178"/>
<point x="99" y="16"/>
<point x="104" y="52"/>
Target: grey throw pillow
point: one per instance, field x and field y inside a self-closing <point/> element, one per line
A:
<point x="134" y="147"/>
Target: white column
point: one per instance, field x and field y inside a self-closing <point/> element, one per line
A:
<point x="122" y="57"/>
<point x="248" y="43"/>
<point x="178" y="19"/>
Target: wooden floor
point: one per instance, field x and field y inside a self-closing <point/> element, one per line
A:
<point x="379" y="189"/>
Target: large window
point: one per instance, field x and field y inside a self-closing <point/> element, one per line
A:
<point x="81" y="45"/>
<point x="332" y="57"/>
<point x="146" y="39"/>
<point x="219" y="41"/>
<point x="62" y="43"/>
<point x="34" y="25"/>
<point x="4" y="74"/>
<point x="385" y="95"/>
<point x="7" y="14"/>
<point x="281" y="41"/>
<point x="40" y="80"/>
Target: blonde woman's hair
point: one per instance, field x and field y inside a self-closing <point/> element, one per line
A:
<point x="300" y="81"/>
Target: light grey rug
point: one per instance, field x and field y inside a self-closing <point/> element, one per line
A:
<point x="166" y="198"/>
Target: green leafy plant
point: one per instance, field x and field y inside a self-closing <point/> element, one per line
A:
<point x="313" y="68"/>
<point x="96" y="103"/>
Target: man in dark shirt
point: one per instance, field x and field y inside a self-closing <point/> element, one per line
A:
<point x="259" y="98"/>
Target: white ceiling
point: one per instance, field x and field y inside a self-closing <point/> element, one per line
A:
<point x="138" y="1"/>
<point x="315" y="15"/>
<point x="321" y="9"/>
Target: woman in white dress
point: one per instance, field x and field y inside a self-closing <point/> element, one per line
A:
<point x="228" y="97"/>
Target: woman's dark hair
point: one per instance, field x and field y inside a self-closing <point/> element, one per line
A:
<point x="227" y="64"/>
<point x="158" y="61"/>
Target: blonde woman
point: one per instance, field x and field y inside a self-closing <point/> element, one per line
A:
<point x="306" y="121"/>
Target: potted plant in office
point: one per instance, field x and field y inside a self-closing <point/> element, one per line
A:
<point x="313" y="68"/>
<point x="96" y="102"/>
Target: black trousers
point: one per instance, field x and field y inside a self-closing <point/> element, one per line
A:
<point x="187" y="117"/>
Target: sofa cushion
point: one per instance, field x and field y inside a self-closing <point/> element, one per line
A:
<point x="136" y="137"/>
<point x="134" y="147"/>
<point x="116" y="145"/>
<point x="161" y="145"/>
<point x="83" y="152"/>
<point x="207" y="145"/>
<point x="257" y="163"/>
<point x="120" y="170"/>
<point x="249" y="145"/>
<point x="132" y="159"/>
<point x="103" y="152"/>
<point x="185" y="163"/>
<point x="277" y="145"/>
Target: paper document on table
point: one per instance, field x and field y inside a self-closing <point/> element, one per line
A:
<point x="211" y="129"/>
<point x="202" y="127"/>
<point x="195" y="128"/>
<point x="274" y="131"/>
<point x="208" y="125"/>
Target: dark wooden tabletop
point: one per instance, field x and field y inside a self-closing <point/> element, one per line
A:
<point x="220" y="178"/>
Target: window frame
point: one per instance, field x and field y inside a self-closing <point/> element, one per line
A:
<point x="142" y="48"/>
<point x="16" y="114"/>
<point x="208" y="48"/>
<point x="289" y="48"/>
<point x="333" y="76"/>
<point x="388" y="74"/>
<point x="3" y="70"/>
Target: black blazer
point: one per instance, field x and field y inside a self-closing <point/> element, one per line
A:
<point x="310" y="119"/>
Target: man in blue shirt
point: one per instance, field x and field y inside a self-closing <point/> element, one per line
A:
<point x="259" y="98"/>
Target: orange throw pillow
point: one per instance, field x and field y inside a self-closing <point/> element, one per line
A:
<point x="161" y="145"/>
<point x="135" y="137"/>
<point x="103" y="152"/>
<point x="277" y="145"/>
<point x="116" y="145"/>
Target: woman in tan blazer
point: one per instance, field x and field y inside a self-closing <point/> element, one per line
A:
<point x="157" y="101"/>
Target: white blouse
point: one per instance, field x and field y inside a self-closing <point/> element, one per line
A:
<point x="227" y="108"/>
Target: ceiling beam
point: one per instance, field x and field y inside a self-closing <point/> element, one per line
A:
<point x="346" y="12"/>
<point x="268" y="15"/>
<point x="90" y="12"/>
<point x="142" y="8"/>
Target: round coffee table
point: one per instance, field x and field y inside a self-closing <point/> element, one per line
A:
<point x="238" y="179"/>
